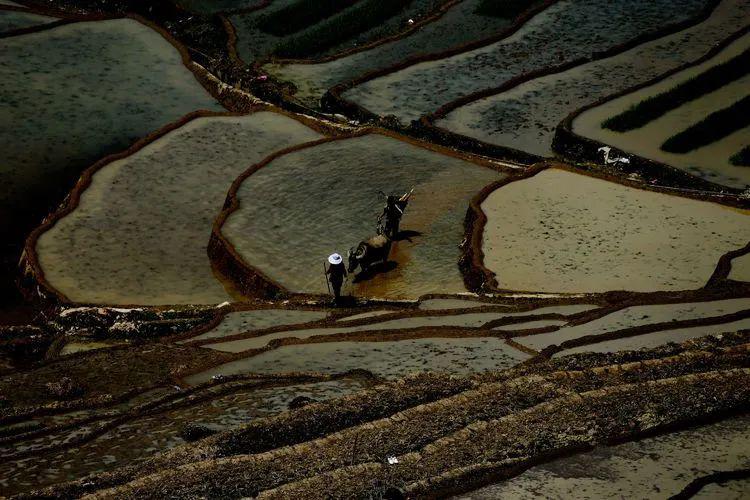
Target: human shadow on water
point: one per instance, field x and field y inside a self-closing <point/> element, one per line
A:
<point x="374" y="270"/>
<point x="406" y="235"/>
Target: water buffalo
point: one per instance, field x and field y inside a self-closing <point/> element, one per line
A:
<point x="369" y="252"/>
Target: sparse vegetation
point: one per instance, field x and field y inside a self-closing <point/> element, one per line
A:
<point x="361" y="17"/>
<point x="712" y="128"/>
<point x="506" y="9"/>
<point x="301" y="15"/>
<point x="652" y="108"/>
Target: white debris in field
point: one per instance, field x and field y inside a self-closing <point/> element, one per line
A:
<point x="223" y="304"/>
<point x="123" y="326"/>
<point x="392" y="460"/>
<point x="121" y="310"/>
<point x="98" y="310"/>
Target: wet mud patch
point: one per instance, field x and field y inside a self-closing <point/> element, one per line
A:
<point x="80" y="107"/>
<point x="656" y="466"/>
<point x="141" y="230"/>
<point x="563" y="32"/>
<point x="560" y="231"/>
<point x="740" y="268"/>
<point x="504" y="118"/>
<point x="304" y="205"/>
<point x="711" y="161"/>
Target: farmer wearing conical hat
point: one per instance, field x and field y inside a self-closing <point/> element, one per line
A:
<point x="336" y="273"/>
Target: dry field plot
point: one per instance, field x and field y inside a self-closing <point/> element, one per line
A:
<point x="563" y="32"/>
<point x="140" y="232"/>
<point x="69" y="108"/>
<point x="711" y="161"/>
<point x="525" y="116"/>
<point x="560" y="231"/>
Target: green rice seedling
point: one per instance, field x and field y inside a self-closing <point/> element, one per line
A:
<point x="712" y="128"/>
<point x="301" y="15"/>
<point x="506" y="9"/>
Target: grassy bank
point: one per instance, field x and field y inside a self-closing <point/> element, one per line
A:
<point x="712" y="128"/>
<point x="301" y="15"/>
<point x="660" y="104"/>
<point x="508" y="9"/>
<point x="741" y="158"/>
<point x="363" y="16"/>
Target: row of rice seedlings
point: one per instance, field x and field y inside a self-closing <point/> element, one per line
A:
<point x="301" y="15"/>
<point x="507" y="9"/>
<point x="712" y="128"/>
<point x="361" y="17"/>
<point x="656" y="106"/>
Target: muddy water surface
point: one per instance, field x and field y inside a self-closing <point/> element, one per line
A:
<point x="564" y="232"/>
<point x="140" y="233"/>
<point x="388" y="359"/>
<point x="740" y="268"/>
<point x="640" y="315"/>
<point x="305" y="205"/>
<point x="81" y="107"/>
<point x="14" y="20"/>
<point x="244" y="321"/>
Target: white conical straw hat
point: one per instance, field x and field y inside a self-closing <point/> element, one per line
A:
<point x="335" y="258"/>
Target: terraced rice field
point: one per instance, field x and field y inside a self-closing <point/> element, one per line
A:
<point x="565" y="31"/>
<point x="280" y="203"/>
<point x="712" y="161"/>
<point x="16" y="20"/>
<point x="177" y="338"/>
<point x="661" y="465"/>
<point x="504" y="118"/>
<point x="388" y="359"/>
<point x="110" y="250"/>
<point x="136" y="84"/>
<point x="560" y="231"/>
<point x="257" y="41"/>
<point x="136" y="441"/>
<point x="458" y="26"/>
<point x="643" y="315"/>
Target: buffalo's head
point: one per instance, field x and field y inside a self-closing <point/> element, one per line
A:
<point x="355" y="255"/>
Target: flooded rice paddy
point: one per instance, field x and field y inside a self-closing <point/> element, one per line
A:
<point x="654" y="467"/>
<point x="655" y="339"/>
<point x="245" y="321"/>
<point x="560" y="231"/>
<point x="140" y="232"/>
<point x="325" y="199"/>
<point x="388" y="359"/>
<point x="69" y="108"/>
<point x="504" y="118"/>
<point x="637" y="316"/>
<point x="710" y="162"/>
<point x="459" y="25"/>
<point x="563" y="32"/>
